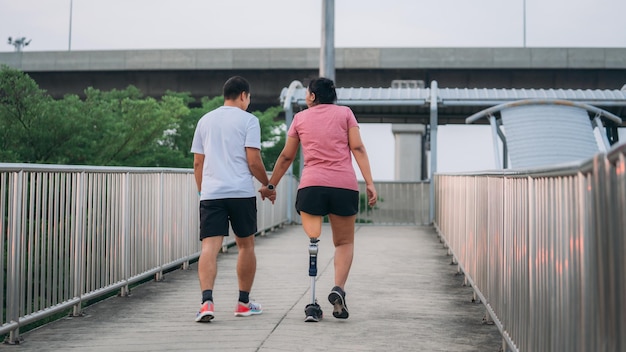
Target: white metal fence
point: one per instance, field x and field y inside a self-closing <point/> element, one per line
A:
<point x="544" y="250"/>
<point x="70" y="234"/>
<point x="399" y="203"/>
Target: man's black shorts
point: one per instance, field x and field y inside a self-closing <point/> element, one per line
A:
<point x="318" y="200"/>
<point x="215" y="214"/>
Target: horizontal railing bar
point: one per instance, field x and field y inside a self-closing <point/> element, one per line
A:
<point x="13" y="167"/>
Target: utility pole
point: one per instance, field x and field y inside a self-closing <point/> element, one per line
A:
<point x="69" y="45"/>
<point x="524" y="23"/>
<point x="327" y="50"/>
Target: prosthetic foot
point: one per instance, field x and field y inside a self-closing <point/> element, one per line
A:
<point x="313" y="311"/>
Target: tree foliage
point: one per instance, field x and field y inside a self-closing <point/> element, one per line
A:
<point x="117" y="127"/>
<point x="22" y="116"/>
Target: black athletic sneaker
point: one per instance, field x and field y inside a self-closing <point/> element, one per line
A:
<point x="338" y="299"/>
<point x="313" y="313"/>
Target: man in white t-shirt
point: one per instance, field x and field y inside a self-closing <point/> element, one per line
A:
<point x="227" y="155"/>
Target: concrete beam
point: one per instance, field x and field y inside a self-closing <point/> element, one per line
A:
<point x="308" y="58"/>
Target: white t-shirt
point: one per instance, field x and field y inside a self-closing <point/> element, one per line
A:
<point x="222" y="135"/>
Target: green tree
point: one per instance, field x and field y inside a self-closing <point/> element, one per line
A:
<point x="22" y="104"/>
<point x="273" y="133"/>
<point x="127" y="129"/>
<point x="181" y="138"/>
<point x="117" y="127"/>
<point x="60" y="140"/>
<point x="272" y="130"/>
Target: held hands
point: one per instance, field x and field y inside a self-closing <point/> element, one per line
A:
<point x="267" y="193"/>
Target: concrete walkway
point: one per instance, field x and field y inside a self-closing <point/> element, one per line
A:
<point x="403" y="295"/>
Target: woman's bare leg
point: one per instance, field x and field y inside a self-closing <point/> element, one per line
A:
<point x="343" y="239"/>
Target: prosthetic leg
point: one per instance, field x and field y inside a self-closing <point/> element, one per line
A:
<point x="313" y="311"/>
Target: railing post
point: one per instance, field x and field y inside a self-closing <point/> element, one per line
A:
<point x="288" y="108"/>
<point x="125" y="242"/>
<point x="434" y="122"/>
<point x="79" y="234"/>
<point x="14" y="283"/>
<point x="159" y="275"/>
<point x="3" y="191"/>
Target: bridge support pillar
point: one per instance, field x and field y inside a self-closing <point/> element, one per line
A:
<point x="409" y="151"/>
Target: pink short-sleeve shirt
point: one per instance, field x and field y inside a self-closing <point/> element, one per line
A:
<point x="323" y="134"/>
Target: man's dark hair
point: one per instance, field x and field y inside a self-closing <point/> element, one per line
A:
<point x="324" y="90"/>
<point x="234" y="87"/>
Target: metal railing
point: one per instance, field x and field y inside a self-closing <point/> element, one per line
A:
<point x="543" y="250"/>
<point x="70" y="234"/>
<point x="399" y="203"/>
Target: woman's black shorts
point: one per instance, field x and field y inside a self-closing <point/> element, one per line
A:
<point x="318" y="200"/>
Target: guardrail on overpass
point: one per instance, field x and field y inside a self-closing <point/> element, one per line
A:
<point x="543" y="250"/>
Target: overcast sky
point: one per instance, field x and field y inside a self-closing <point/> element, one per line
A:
<point x="169" y="24"/>
<point x="172" y="24"/>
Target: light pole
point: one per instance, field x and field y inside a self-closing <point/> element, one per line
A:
<point x="327" y="50"/>
<point x="19" y="43"/>
<point x="69" y="44"/>
<point x="524" y="14"/>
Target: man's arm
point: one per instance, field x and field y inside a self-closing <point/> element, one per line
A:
<point x="255" y="164"/>
<point x="198" y="165"/>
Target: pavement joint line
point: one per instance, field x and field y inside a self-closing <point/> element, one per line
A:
<point x="328" y="264"/>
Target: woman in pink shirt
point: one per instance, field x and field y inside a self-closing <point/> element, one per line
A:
<point x="330" y="136"/>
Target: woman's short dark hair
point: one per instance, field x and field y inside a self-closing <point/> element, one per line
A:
<point x="324" y="90"/>
<point x="234" y="87"/>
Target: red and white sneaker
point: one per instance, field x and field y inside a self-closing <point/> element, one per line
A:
<point x="205" y="314"/>
<point x="247" y="309"/>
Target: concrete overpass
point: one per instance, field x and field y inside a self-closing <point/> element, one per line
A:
<point x="203" y="71"/>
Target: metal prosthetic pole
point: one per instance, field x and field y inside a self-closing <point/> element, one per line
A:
<point x="313" y="265"/>
<point x="313" y="311"/>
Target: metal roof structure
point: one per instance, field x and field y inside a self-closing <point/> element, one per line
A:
<point x="547" y="131"/>
<point x="435" y="106"/>
<point x="454" y="105"/>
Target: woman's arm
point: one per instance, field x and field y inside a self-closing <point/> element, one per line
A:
<point x="286" y="157"/>
<point x="360" y="155"/>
